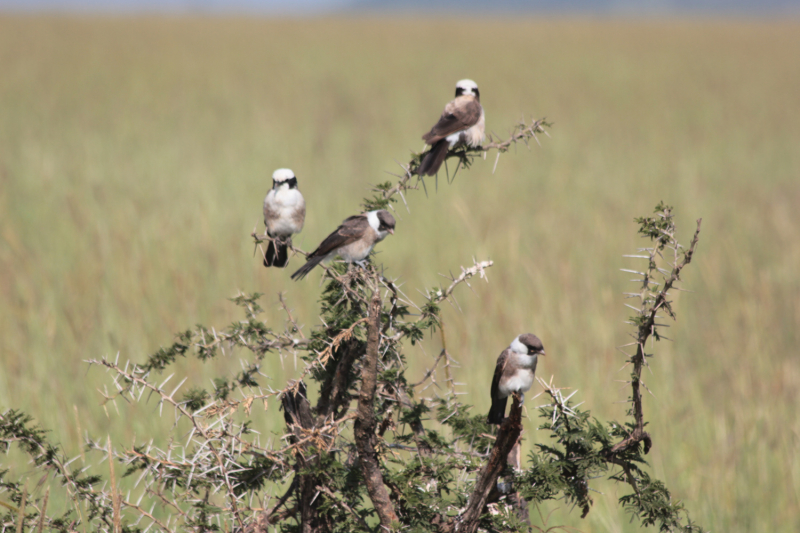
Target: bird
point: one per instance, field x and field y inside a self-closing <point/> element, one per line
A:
<point x="462" y="123"/>
<point x="284" y="215"/>
<point x="353" y="240"/>
<point x="514" y="373"/>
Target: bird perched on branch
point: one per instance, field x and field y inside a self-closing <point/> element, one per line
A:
<point x="514" y="373"/>
<point x="284" y="215"/>
<point x="462" y="122"/>
<point x="352" y="240"/>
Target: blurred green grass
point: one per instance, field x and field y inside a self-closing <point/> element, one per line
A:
<point x="135" y="153"/>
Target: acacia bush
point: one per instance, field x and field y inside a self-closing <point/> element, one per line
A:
<point x="365" y="449"/>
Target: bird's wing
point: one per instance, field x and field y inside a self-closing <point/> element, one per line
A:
<point x="458" y="115"/>
<point x="502" y="359"/>
<point x="348" y="231"/>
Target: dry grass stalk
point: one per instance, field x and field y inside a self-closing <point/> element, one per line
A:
<point x="42" y="513"/>
<point x="21" y="514"/>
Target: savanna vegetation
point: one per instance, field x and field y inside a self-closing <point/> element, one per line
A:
<point x="135" y="152"/>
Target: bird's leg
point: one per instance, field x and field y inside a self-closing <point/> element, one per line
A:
<point x="520" y="397"/>
<point x="363" y="265"/>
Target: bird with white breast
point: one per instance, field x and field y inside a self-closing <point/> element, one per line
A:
<point x="462" y="123"/>
<point x="353" y="240"/>
<point x="284" y="215"/>
<point x="514" y="373"/>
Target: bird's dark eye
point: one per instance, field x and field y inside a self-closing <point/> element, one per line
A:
<point x="477" y="92"/>
<point x="459" y="91"/>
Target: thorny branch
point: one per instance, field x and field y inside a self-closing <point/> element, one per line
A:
<point x="208" y="434"/>
<point x="437" y="296"/>
<point x="651" y="303"/>
<point x="43" y="454"/>
<point x="522" y="132"/>
<point x="478" y="269"/>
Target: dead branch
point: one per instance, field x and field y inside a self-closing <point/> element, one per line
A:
<point x="365" y="424"/>
<point x="507" y="436"/>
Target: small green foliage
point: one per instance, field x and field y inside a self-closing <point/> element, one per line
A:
<point x="658" y="228"/>
<point x="16" y="427"/>
<point x="565" y="466"/>
<point x="652" y="504"/>
<point x="166" y="356"/>
<point x="202" y="519"/>
<point x="379" y="200"/>
<point x="254" y="473"/>
<point x="470" y="429"/>
<point x="247" y="377"/>
<point x="249" y="302"/>
<point x="222" y="388"/>
<point x="428" y="321"/>
<point x="411" y="331"/>
<point x="425" y="490"/>
<point x="195" y="399"/>
<point x="206" y="348"/>
<point x="415" y="415"/>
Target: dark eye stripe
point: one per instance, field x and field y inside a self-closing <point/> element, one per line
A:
<point x="291" y="182"/>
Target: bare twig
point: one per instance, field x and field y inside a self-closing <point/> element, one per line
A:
<point x="478" y="269"/>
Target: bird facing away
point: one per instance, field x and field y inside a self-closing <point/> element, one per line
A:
<point x="352" y="240"/>
<point x="514" y="373"/>
<point x="462" y="122"/>
<point x="284" y="215"/>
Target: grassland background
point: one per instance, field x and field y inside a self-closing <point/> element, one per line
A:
<point x="135" y="153"/>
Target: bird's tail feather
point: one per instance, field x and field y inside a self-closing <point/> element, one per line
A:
<point x="434" y="158"/>
<point x="277" y="254"/>
<point x="497" y="412"/>
<point x="305" y="269"/>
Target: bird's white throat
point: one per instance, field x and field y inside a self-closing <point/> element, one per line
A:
<point x="374" y="221"/>
<point x="518" y="347"/>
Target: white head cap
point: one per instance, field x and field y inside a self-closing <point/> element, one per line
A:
<point x="466" y="84"/>
<point x="467" y="87"/>
<point x="282" y="174"/>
